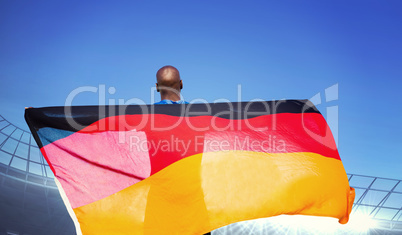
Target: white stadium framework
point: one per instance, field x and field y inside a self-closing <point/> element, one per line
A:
<point x="30" y="203"/>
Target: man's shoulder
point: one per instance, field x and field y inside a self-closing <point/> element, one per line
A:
<point x="172" y="102"/>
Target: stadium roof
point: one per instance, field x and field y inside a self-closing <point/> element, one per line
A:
<point x="31" y="204"/>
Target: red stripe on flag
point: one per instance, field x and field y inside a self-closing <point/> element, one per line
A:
<point x="170" y="138"/>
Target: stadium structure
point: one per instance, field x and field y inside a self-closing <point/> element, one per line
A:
<point x="30" y="203"/>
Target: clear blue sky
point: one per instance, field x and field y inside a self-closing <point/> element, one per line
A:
<point x="274" y="49"/>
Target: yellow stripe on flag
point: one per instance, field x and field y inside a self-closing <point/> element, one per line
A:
<point x="206" y="191"/>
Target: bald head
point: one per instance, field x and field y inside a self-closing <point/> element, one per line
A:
<point x="169" y="83"/>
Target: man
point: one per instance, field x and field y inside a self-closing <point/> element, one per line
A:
<point x="169" y="85"/>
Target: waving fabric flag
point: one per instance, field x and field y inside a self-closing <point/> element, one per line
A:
<point x="191" y="168"/>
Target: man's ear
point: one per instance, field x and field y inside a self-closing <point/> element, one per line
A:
<point x="157" y="87"/>
<point x="181" y="84"/>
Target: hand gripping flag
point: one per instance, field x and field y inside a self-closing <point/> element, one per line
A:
<point x="191" y="168"/>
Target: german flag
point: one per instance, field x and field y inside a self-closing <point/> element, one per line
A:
<point x="191" y="168"/>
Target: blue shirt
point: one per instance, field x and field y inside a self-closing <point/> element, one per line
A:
<point x="172" y="102"/>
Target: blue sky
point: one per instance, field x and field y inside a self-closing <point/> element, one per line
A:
<point x="273" y="49"/>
